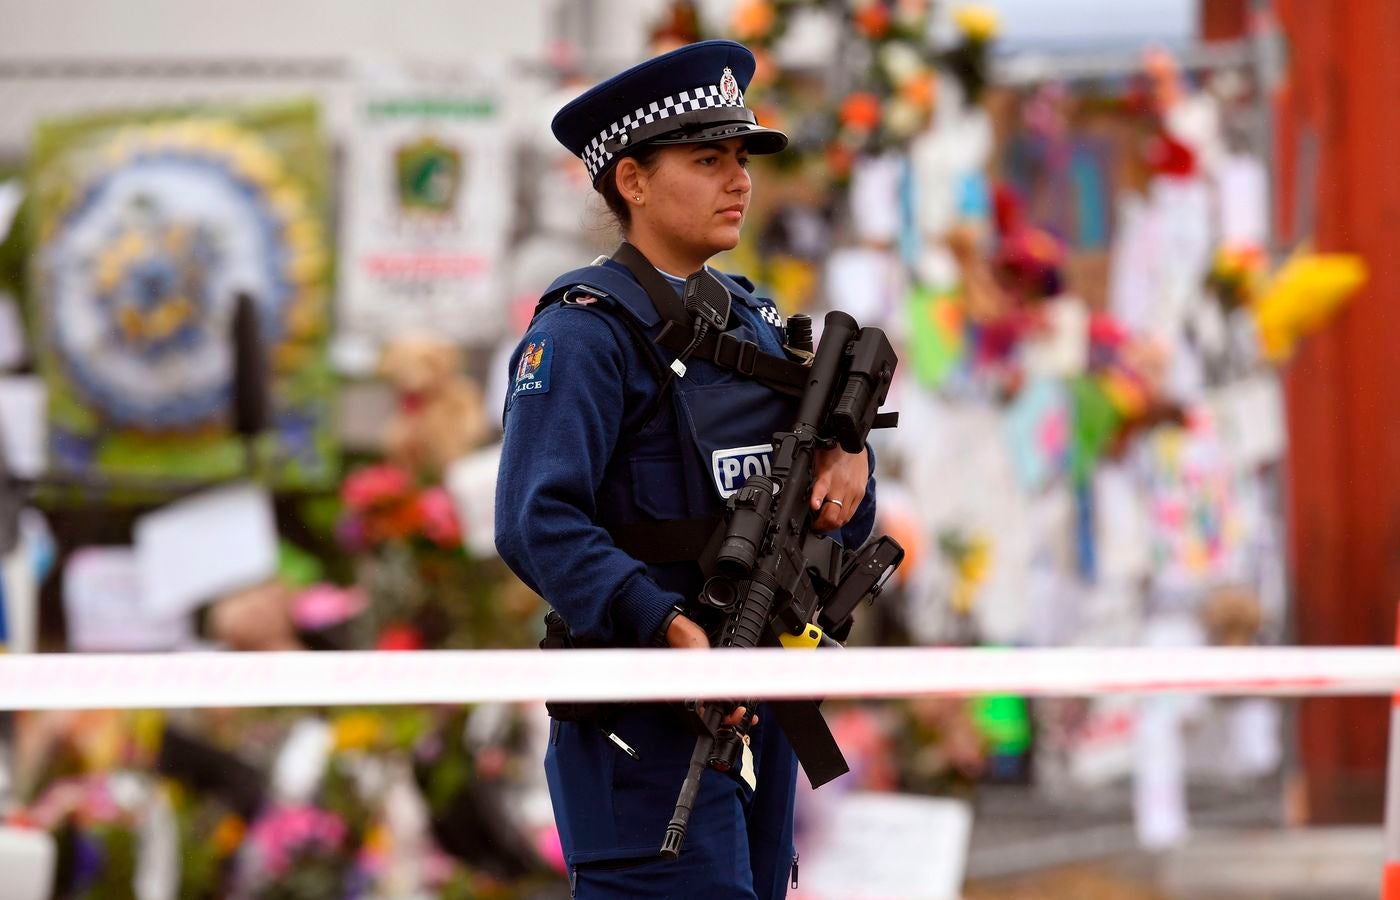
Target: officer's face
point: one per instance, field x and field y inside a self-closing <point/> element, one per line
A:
<point x="697" y="197"/>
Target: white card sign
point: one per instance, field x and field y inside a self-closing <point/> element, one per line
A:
<point x="102" y="600"/>
<point x="890" y="846"/>
<point x="471" y="481"/>
<point x="429" y="209"/>
<point x="23" y="422"/>
<point x="197" y="549"/>
<point x="28" y="858"/>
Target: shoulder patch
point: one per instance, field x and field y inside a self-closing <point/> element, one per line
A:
<point x="532" y="371"/>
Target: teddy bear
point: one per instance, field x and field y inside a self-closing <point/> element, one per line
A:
<point x="439" y="416"/>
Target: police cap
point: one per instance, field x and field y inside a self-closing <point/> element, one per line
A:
<point x="688" y="96"/>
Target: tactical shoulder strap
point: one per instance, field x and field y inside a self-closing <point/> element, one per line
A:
<point x="721" y="348"/>
<point x="728" y="352"/>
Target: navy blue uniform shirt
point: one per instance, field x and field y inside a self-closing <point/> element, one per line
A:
<point x="580" y="385"/>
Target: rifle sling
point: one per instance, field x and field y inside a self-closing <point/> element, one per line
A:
<point x="811" y="739"/>
<point x="719" y="347"/>
<point x="728" y="352"/>
<point x="664" y="297"/>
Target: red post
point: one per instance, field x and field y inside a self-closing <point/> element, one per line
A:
<point x="1390" y="878"/>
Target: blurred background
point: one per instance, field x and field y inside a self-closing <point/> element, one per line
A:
<point x="261" y="268"/>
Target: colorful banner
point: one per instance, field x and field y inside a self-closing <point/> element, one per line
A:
<point x="147" y="227"/>
<point x="428" y="211"/>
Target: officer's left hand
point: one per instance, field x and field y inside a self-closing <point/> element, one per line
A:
<point x="839" y="487"/>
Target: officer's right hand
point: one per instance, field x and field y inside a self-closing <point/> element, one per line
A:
<point x="683" y="634"/>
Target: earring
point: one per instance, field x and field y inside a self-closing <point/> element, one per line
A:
<point x="637" y="197"/>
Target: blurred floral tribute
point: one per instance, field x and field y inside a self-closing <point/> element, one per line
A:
<point x="879" y="94"/>
<point x="384" y="802"/>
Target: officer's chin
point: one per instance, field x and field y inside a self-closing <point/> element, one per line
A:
<point x="726" y="239"/>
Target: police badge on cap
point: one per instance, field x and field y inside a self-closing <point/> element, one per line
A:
<point x="688" y="96"/>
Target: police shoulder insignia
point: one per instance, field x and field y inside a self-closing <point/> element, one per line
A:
<point x="532" y="371"/>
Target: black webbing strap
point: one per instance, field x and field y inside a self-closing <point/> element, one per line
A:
<point x="663" y="296"/>
<point x="811" y="739"/>
<point x="721" y="348"/>
<point x="728" y="352"/>
<point x="679" y="540"/>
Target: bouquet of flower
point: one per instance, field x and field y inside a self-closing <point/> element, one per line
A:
<point x="298" y="853"/>
<point x="94" y="821"/>
<point x="423" y="588"/>
<point x="386" y="504"/>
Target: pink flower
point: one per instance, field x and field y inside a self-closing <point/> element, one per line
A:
<point x="375" y="486"/>
<point x="440" y="523"/>
<point x="324" y="605"/>
<point x="281" y="834"/>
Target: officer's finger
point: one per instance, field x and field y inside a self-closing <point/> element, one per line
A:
<point x="831" y="517"/>
<point x="737" y="716"/>
<point x="820" y="487"/>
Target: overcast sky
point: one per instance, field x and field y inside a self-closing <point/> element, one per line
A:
<point x="1094" y="22"/>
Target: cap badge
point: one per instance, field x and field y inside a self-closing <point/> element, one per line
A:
<point x="729" y="88"/>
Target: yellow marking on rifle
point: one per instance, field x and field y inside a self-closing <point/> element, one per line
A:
<point x="810" y="637"/>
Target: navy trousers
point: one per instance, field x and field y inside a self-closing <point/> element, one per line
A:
<point x="612" y="811"/>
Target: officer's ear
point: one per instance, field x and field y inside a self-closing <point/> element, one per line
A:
<point x="631" y="179"/>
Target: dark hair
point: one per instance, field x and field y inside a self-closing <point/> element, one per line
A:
<point x="607" y="185"/>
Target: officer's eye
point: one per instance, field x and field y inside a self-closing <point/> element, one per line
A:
<point x="708" y="160"/>
<point x="744" y="162"/>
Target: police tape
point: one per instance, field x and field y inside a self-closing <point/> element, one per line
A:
<point x="187" y="680"/>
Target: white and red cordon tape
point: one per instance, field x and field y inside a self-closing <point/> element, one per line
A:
<point x="185" y="680"/>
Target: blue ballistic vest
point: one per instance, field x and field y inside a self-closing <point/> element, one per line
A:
<point x="704" y="440"/>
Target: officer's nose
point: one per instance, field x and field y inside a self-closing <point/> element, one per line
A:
<point x="739" y="180"/>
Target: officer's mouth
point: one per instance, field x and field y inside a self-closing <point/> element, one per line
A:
<point x="733" y="213"/>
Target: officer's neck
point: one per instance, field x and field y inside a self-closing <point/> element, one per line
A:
<point x="663" y="256"/>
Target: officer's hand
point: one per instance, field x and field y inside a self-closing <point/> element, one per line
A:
<point x="683" y="634"/>
<point x="839" y="486"/>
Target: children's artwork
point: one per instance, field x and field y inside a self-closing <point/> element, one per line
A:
<point x="1038" y="432"/>
<point x="936" y="334"/>
<point x="1197" y="526"/>
<point x="1095" y="422"/>
<point x="147" y="229"/>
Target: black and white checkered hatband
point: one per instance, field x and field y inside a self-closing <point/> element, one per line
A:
<point x="596" y="154"/>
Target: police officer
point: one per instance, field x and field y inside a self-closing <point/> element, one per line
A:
<point x="627" y="424"/>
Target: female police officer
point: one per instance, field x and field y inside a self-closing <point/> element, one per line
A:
<point x="622" y="440"/>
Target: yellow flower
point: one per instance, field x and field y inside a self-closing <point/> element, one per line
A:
<point x="979" y="23"/>
<point x="228" y="834"/>
<point x="356" y="731"/>
<point x="1306" y="292"/>
<point x="973" y="566"/>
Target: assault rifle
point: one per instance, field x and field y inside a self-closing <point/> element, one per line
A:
<point x="772" y="581"/>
